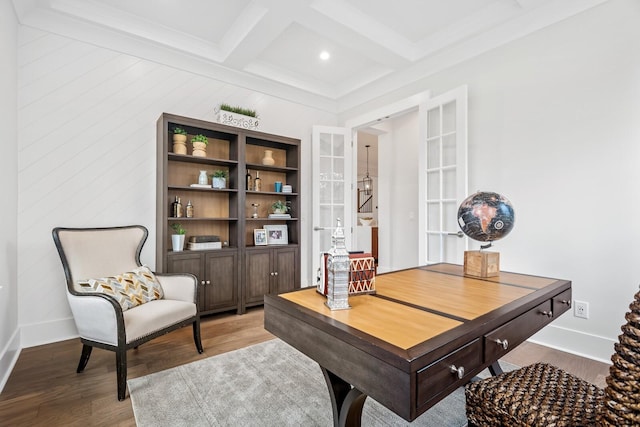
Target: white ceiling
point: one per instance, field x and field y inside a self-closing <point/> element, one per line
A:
<point x="376" y="46"/>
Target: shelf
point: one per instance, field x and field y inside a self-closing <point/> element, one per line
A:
<point x="212" y="190"/>
<point x="261" y="167"/>
<point x="199" y="251"/>
<point x="201" y="160"/>
<point x="184" y="218"/>
<point x="271" y="219"/>
<point x="271" y="193"/>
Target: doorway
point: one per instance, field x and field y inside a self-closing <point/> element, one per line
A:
<point x="366" y="226"/>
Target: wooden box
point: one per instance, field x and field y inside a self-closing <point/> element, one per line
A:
<point x="481" y="263"/>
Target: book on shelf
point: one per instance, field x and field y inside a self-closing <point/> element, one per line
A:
<point x="204" y="239"/>
<point x="279" y="216"/>
<point x="202" y="246"/>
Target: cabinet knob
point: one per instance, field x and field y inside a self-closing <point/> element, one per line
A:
<point x="503" y="343"/>
<point x="567" y="302"/>
<point x="547" y="313"/>
<point x="202" y="283"/>
<point x="458" y="371"/>
<point x="208" y="282"/>
<point x="271" y="274"/>
<point x="275" y="274"/>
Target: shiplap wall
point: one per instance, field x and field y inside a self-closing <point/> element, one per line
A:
<point x="86" y="153"/>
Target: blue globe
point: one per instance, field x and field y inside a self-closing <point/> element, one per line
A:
<point x="486" y="216"/>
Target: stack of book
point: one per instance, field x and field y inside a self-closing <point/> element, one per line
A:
<point x="204" y="242"/>
<point x="279" y="216"/>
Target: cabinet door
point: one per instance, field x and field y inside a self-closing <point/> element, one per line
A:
<point x="185" y="262"/>
<point x="221" y="288"/>
<point x="258" y="275"/>
<point x="286" y="269"/>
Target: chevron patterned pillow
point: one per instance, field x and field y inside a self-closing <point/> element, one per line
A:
<point x="131" y="289"/>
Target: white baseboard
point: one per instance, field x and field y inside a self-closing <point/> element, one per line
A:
<point x="9" y="357"/>
<point x="575" y="342"/>
<point x="35" y="334"/>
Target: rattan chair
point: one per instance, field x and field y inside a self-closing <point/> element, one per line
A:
<point x="544" y="395"/>
<point x="88" y="254"/>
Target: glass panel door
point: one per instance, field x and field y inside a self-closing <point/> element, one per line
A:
<point x="332" y="186"/>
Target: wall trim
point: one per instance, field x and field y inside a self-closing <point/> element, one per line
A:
<point x="9" y="357"/>
<point x="35" y="334"/>
<point x="574" y="342"/>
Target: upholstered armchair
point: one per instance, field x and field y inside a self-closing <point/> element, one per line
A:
<point x="544" y="395"/>
<point x="117" y="303"/>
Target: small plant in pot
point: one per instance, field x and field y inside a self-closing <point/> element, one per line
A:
<point x="280" y="207"/>
<point x="200" y="145"/>
<point x="219" y="179"/>
<point x="179" y="140"/>
<point x="177" y="239"/>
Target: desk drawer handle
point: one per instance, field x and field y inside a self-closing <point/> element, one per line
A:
<point x="547" y="313"/>
<point x="567" y="302"/>
<point x="503" y="343"/>
<point x="458" y="371"/>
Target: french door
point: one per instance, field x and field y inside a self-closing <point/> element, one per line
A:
<point x="332" y="186"/>
<point x="443" y="177"/>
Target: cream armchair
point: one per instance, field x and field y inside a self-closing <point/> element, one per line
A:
<point x="93" y="253"/>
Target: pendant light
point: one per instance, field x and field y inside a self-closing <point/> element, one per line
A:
<point x="367" y="182"/>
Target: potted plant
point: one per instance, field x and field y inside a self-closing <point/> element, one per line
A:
<point x="200" y="145"/>
<point x="280" y="207"/>
<point x="177" y="239"/>
<point x="179" y="140"/>
<point x="237" y="116"/>
<point x="219" y="179"/>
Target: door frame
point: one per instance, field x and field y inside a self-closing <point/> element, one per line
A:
<point x="369" y="119"/>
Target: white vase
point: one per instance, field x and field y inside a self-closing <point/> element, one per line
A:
<point x="202" y="178"/>
<point x="177" y="242"/>
<point x="268" y="158"/>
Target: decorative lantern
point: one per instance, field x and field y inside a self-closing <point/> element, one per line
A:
<point x="338" y="272"/>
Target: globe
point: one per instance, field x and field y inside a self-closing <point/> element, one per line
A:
<point x="486" y="216"/>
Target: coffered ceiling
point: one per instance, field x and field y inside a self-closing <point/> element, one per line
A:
<point x="375" y="46"/>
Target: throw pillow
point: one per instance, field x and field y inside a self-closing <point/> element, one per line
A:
<point x="131" y="289"/>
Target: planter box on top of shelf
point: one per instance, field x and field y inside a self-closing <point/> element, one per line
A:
<point x="237" y="120"/>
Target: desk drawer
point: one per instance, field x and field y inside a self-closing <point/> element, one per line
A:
<point x="561" y="303"/>
<point x="509" y="335"/>
<point x="440" y="377"/>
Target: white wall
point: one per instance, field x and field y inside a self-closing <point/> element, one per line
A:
<point x="9" y="337"/>
<point x="553" y="125"/>
<point x="87" y="147"/>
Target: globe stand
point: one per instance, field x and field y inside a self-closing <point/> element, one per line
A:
<point x="481" y="263"/>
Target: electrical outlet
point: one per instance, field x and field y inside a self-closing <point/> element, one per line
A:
<point x="581" y="309"/>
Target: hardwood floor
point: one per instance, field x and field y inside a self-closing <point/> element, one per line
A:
<point x="44" y="389"/>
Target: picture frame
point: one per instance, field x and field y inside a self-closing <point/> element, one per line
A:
<point x="260" y="237"/>
<point x="277" y="234"/>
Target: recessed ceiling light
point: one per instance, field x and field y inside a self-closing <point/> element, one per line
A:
<point x="324" y="55"/>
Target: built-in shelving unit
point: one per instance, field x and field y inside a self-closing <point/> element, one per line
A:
<point x="239" y="274"/>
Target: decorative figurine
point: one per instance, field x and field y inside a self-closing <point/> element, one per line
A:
<point x="338" y="272"/>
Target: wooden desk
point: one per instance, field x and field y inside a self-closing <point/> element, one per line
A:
<point x="427" y="331"/>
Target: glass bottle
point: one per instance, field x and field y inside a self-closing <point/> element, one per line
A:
<point x="174" y="208"/>
<point x="249" y="183"/>
<point x="257" y="182"/>
<point x="189" y="209"/>
<point x="179" y="211"/>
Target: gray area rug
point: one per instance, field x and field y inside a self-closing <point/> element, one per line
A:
<point x="267" y="384"/>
